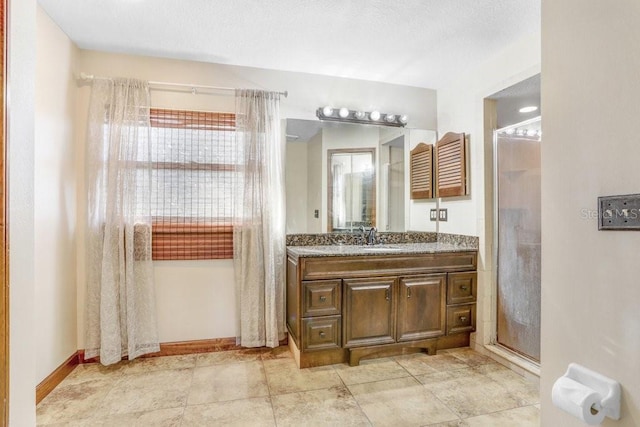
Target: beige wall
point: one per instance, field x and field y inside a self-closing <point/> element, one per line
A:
<point x="461" y="109"/>
<point x="20" y="158"/>
<point x="591" y="148"/>
<point x="314" y="187"/>
<point x="54" y="197"/>
<point x="296" y="187"/>
<point x="196" y="300"/>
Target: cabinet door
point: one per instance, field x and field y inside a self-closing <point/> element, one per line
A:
<point x="369" y="311"/>
<point x="421" y="307"/>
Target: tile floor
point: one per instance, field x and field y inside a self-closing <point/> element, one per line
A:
<point x="265" y="388"/>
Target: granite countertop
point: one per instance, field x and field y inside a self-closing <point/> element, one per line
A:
<point x="385" y="249"/>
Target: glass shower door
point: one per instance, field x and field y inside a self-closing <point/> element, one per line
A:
<point x="518" y="214"/>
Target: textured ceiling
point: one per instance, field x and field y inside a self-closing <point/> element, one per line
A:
<point x="412" y="42"/>
<point x="510" y="100"/>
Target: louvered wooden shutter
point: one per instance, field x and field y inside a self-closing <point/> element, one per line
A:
<point x="451" y="165"/>
<point x="421" y="171"/>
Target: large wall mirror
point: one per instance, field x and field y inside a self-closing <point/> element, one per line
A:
<point x="340" y="176"/>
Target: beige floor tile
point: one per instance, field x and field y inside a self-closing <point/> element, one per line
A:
<point x="470" y="357"/>
<point x="93" y="371"/>
<point x="402" y="401"/>
<point x="245" y="412"/>
<point x="229" y="381"/>
<point x="285" y="377"/>
<point x="456" y="423"/>
<point x="527" y="416"/>
<point x="468" y="393"/>
<point x="416" y="364"/>
<point x="149" y="364"/>
<point x="231" y="356"/>
<point x="281" y="352"/>
<point x="526" y="392"/>
<point x="329" y="407"/>
<point x="149" y="391"/>
<point x="78" y="400"/>
<point x="161" y="418"/>
<point x="370" y="371"/>
<point x="440" y="362"/>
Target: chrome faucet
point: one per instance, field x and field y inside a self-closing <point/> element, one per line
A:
<point x="371" y="237"/>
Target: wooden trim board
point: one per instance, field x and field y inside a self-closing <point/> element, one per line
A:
<point x="48" y="384"/>
<point x="186" y="347"/>
<point x="4" y="252"/>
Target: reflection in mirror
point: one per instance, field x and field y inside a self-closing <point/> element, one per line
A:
<point x="307" y="171"/>
<point x="351" y="189"/>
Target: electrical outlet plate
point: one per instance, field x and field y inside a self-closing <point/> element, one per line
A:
<point x="442" y="215"/>
<point x="619" y="212"/>
<point x="433" y="214"/>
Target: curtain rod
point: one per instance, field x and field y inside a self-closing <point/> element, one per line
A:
<point x="192" y="87"/>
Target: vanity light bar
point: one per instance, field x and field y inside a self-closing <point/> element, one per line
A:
<point x="367" y="117"/>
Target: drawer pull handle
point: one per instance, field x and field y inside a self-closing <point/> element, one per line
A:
<point x="387" y="296"/>
<point x="322" y="334"/>
<point x="323" y="298"/>
<point x="463" y="319"/>
<point x="464" y="287"/>
<point x="408" y="292"/>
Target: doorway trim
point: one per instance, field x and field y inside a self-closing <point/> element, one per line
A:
<point x="4" y="270"/>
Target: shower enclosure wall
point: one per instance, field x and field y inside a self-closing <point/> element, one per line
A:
<point x="517" y="185"/>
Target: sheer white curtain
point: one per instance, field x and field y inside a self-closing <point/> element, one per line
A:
<point x="121" y="311"/>
<point x="259" y="231"/>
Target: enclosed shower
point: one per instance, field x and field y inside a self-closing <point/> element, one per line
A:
<point x="517" y="236"/>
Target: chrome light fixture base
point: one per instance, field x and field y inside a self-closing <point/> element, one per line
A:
<point x="364" y="117"/>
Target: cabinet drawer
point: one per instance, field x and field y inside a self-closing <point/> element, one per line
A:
<point x="461" y="318"/>
<point x="321" y="333"/>
<point x="461" y="288"/>
<point x="321" y="298"/>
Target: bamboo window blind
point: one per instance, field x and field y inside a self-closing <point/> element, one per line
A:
<point x="192" y="178"/>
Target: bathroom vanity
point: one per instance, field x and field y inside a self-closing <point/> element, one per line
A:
<point x="348" y="302"/>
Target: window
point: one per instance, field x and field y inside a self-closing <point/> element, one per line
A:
<point x="193" y="174"/>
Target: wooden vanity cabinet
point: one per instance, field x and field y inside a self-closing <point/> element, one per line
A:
<point x="421" y="307"/>
<point x="345" y="308"/>
<point x="369" y="311"/>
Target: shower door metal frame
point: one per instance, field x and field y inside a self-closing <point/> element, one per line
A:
<point x="494" y="255"/>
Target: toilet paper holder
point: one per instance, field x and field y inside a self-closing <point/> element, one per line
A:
<point x="607" y="388"/>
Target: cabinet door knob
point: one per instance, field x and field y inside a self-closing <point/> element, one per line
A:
<point x="323" y="298"/>
<point x="387" y="296"/>
<point x="464" y="287"/>
<point x="408" y="292"/>
<point x="322" y="334"/>
<point x="463" y="318"/>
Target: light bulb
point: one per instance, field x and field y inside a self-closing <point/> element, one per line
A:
<point x="374" y="115"/>
<point x="520" y="132"/>
<point x="360" y="115"/>
<point x="528" y="109"/>
<point x="511" y="131"/>
<point x="403" y="119"/>
<point x="532" y="132"/>
<point x="390" y="118"/>
<point x="327" y="111"/>
<point x="343" y="113"/>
